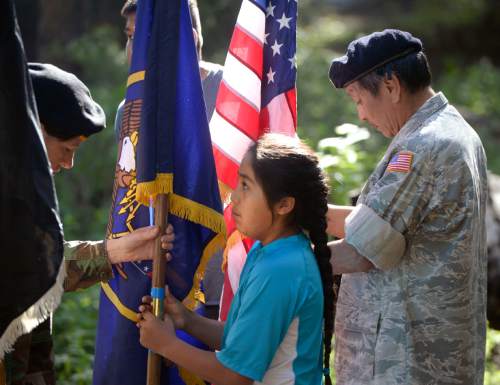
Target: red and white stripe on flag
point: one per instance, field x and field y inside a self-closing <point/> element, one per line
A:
<point x="257" y="95"/>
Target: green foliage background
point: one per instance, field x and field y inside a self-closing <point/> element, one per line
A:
<point x="465" y="62"/>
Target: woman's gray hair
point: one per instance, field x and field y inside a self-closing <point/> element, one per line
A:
<point x="413" y="72"/>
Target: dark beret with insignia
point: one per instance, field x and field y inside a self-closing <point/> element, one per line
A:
<point x="370" y="52"/>
<point x="64" y="104"/>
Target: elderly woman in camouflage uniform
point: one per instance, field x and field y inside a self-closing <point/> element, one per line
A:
<point x="412" y="301"/>
<point x="64" y="129"/>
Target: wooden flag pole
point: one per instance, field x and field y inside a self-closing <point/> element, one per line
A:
<point x="158" y="284"/>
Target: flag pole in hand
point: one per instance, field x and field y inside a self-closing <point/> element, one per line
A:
<point x="158" y="284"/>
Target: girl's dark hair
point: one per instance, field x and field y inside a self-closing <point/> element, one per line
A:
<point x="286" y="167"/>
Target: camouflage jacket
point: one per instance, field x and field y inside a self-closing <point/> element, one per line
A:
<point x="86" y="264"/>
<point x="418" y="317"/>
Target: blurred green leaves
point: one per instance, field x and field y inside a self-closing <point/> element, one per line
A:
<point x="348" y="159"/>
<point x="74" y="332"/>
<point x="492" y="372"/>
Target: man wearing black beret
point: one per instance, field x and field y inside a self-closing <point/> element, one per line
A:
<point x="68" y="116"/>
<point x="411" y="307"/>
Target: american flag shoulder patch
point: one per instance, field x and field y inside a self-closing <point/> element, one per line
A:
<point x="401" y="162"/>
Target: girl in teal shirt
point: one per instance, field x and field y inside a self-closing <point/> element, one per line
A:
<point x="274" y="331"/>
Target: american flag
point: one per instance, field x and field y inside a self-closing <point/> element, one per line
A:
<point x="401" y="162"/>
<point x="257" y="95"/>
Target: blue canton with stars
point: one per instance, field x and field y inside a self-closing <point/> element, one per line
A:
<point x="280" y="64"/>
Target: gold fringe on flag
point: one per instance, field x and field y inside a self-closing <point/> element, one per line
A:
<point x="216" y="244"/>
<point x="225" y="193"/>
<point x="196" y="212"/>
<point x="163" y="184"/>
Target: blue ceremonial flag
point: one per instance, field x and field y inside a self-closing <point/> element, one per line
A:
<point x="165" y="147"/>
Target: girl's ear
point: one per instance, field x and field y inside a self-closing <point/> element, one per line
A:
<point x="285" y="206"/>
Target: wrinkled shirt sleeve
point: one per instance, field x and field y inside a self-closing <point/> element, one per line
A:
<point x="394" y="206"/>
<point x="86" y="264"/>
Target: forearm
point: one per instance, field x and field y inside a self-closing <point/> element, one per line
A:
<point x="86" y="264"/>
<point x="203" y="363"/>
<point x="345" y="259"/>
<point x="207" y="330"/>
<point x="335" y="217"/>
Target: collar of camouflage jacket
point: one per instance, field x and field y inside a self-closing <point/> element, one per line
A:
<point x="429" y="108"/>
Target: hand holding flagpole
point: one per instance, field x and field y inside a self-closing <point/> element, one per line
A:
<point x="158" y="284"/>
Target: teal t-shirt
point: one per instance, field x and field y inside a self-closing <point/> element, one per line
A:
<point x="273" y="332"/>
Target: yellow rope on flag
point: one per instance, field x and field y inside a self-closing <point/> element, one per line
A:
<point x="233" y="239"/>
<point x="217" y="243"/>
<point x="122" y="309"/>
<point x="190" y="378"/>
<point x="163" y="184"/>
<point x="135" y="77"/>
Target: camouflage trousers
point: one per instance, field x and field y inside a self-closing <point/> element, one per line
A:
<point x="32" y="361"/>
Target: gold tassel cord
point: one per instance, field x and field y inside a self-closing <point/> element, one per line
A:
<point x="190" y="378"/>
<point x="122" y="309"/>
<point x="233" y="239"/>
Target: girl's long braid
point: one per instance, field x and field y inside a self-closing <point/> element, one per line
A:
<point x="312" y="217"/>
<point x="290" y="168"/>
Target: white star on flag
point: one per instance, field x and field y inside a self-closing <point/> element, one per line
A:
<point x="293" y="61"/>
<point x="265" y="38"/>
<point x="284" y="21"/>
<point x="270" y="76"/>
<point x="270" y="10"/>
<point x="276" y="47"/>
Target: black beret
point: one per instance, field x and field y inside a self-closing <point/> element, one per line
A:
<point x="371" y="52"/>
<point x="64" y="104"/>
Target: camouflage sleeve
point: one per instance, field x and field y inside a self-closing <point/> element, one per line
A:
<point x="86" y="264"/>
<point x="391" y="210"/>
